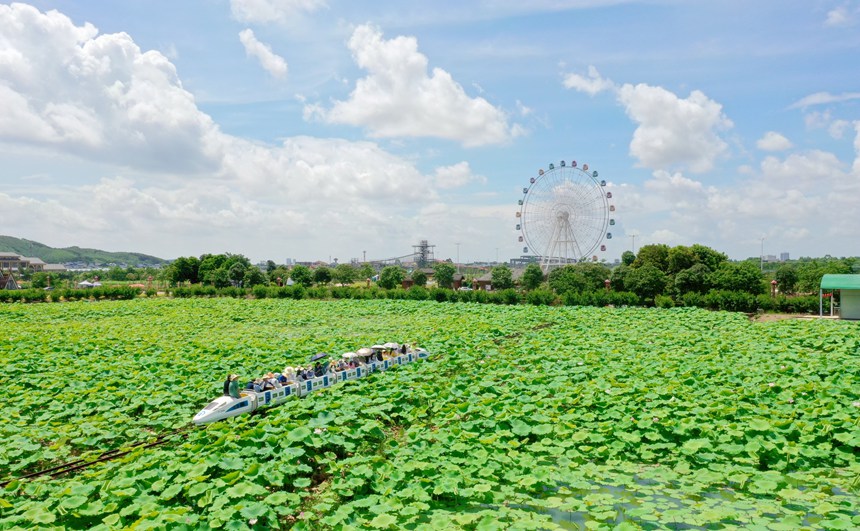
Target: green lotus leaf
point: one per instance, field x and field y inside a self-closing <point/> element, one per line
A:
<point x="383" y="521"/>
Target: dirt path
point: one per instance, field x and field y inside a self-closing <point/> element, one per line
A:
<point x="770" y="317"/>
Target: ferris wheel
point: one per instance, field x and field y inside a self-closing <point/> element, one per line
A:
<point x="564" y="215"/>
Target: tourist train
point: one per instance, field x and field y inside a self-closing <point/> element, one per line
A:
<point x="227" y="406"/>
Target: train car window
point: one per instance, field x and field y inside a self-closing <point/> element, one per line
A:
<point x="241" y="404"/>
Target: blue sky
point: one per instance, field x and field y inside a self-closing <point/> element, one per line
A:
<point x="311" y="129"/>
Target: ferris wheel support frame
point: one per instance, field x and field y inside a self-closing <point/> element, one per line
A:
<point x="568" y="195"/>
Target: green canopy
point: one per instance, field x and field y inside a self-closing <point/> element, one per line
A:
<point x="840" y="282"/>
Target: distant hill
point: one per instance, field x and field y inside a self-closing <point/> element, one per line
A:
<point x="65" y="255"/>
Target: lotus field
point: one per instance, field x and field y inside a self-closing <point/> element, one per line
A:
<point x="523" y="418"/>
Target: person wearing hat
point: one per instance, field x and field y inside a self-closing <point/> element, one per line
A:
<point x="231" y="386"/>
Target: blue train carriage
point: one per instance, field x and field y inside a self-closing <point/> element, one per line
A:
<point x="225" y="407"/>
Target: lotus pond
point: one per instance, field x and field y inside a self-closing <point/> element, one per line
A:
<point x="523" y="418"/>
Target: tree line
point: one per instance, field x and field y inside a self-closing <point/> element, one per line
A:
<point x="658" y="275"/>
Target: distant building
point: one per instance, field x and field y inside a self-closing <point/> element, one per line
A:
<point x="783" y="257"/>
<point x="10" y="261"/>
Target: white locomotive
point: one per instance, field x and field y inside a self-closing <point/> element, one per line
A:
<point x="226" y="406"/>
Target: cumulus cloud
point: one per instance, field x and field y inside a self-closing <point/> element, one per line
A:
<point x="69" y="88"/>
<point x="165" y="168"/>
<point x="398" y="98"/>
<point x="591" y="84"/>
<point x="671" y="132"/>
<point x="785" y="198"/>
<point x="773" y="141"/>
<point x="271" y="62"/>
<point x="272" y="11"/>
<point x="674" y="131"/>
<point x="456" y="176"/>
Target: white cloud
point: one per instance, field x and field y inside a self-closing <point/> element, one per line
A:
<point x="399" y="99"/>
<point x="796" y="199"/>
<point x="271" y="62"/>
<point x="591" y="85"/>
<point x="273" y="11"/>
<point x="523" y="109"/>
<point x="841" y="16"/>
<point x="857" y="149"/>
<point x="69" y="88"/>
<point x="820" y="98"/>
<point x="168" y="176"/>
<point x="674" y="131"/>
<point x="837" y="129"/>
<point x="456" y="176"/>
<point x="773" y="141"/>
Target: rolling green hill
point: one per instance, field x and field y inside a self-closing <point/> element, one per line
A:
<point x="52" y="255"/>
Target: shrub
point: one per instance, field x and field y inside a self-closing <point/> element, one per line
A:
<point x="417" y="293"/>
<point x="693" y="300"/>
<point x="260" y="291"/>
<point x="731" y="301"/>
<point x="440" y="294"/>
<point x="663" y="301"/>
<point x="541" y="297"/>
<point x="508" y="296"/>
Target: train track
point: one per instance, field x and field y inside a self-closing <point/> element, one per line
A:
<point x="109" y="455"/>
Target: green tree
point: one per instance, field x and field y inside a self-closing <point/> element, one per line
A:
<point x="302" y="275"/>
<point x="532" y="277"/>
<point x="501" y="277"/>
<point x="344" y="274"/>
<point x="444" y="273"/>
<point x="810" y="271"/>
<point x="594" y="274"/>
<point x="567" y="280"/>
<point x="647" y="281"/>
<point x="786" y="278"/>
<point x="695" y="279"/>
<point x="279" y="272"/>
<point x="270" y="266"/>
<point x="616" y="278"/>
<point x="184" y="270"/>
<point x="39" y="280"/>
<point x="236" y="272"/>
<point x="365" y="271"/>
<point x="322" y="275"/>
<point x="391" y="276"/>
<point x="419" y="278"/>
<point x="253" y="277"/>
<point x="114" y="273"/>
<point x="707" y="256"/>
<point x="738" y="276"/>
<point x="627" y="257"/>
<point x="209" y="263"/>
<point x="220" y="278"/>
<point x="655" y="254"/>
<point x="680" y="258"/>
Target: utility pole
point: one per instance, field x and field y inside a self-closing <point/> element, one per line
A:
<point x="761" y="256"/>
<point x="633" y="243"/>
<point x="364" y="256"/>
<point x="458" y="256"/>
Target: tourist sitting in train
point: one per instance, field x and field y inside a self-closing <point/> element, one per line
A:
<point x="231" y="386"/>
<point x="290" y="374"/>
<point x="270" y="382"/>
<point x="319" y="370"/>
